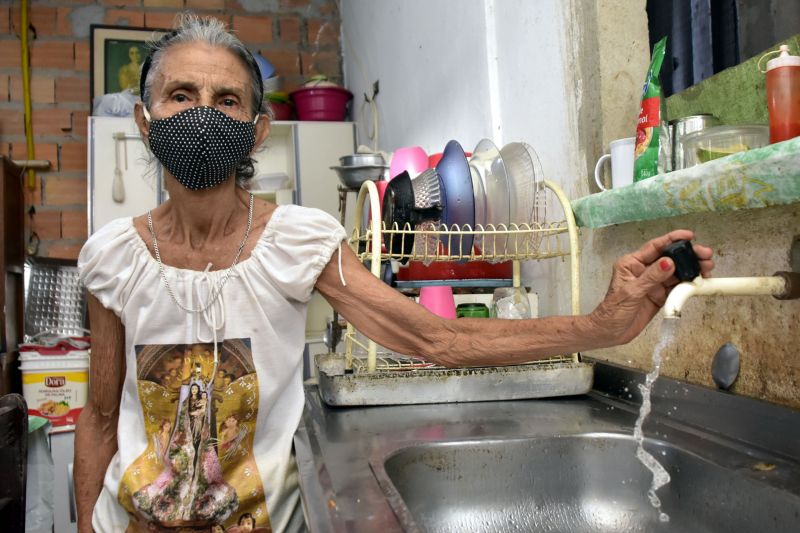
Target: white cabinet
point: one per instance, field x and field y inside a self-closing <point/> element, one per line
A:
<point x="62" y="446"/>
<point x="114" y="143"/>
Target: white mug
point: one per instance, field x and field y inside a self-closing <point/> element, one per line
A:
<point x="621" y="163"/>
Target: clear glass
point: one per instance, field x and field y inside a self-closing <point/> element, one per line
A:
<point x="511" y="302"/>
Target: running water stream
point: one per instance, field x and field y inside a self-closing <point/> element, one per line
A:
<point x="660" y="475"/>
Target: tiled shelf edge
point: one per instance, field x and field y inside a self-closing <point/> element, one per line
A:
<point x="757" y="178"/>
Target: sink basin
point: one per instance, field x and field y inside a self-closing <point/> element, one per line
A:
<point x="580" y="483"/>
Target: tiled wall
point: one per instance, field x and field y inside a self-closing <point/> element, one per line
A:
<point x="300" y="37"/>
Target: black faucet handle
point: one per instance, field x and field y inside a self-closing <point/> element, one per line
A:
<point x="687" y="265"/>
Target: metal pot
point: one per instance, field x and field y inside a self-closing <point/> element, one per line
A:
<point x="362" y="160"/>
<point x="353" y="176"/>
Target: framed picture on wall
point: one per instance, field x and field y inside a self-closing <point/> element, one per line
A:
<point x="116" y="55"/>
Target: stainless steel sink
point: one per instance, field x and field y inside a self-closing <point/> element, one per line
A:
<point x="579" y="483"/>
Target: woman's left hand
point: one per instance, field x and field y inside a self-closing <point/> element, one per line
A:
<point x="639" y="287"/>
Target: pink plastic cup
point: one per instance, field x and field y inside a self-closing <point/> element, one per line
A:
<point x="438" y="300"/>
<point x="409" y="158"/>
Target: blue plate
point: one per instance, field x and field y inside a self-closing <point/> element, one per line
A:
<point x="458" y="198"/>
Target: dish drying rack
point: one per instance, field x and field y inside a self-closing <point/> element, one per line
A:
<point x="376" y="377"/>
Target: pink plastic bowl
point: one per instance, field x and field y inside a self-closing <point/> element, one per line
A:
<point x="321" y="103"/>
<point x="409" y="158"/>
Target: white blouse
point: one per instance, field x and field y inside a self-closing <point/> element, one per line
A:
<point x="204" y="435"/>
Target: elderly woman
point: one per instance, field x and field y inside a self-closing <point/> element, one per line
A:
<point x="225" y="279"/>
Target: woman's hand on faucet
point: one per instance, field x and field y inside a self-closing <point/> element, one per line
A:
<point x="640" y="284"/>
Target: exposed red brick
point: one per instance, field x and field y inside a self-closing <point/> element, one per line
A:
<point x="10" y="53"/>
<point x="174" y="4"/>
<point x="52" y="121"/>
<point x="80" y="123"/>
<point x="64" y="191"/>
<point x="120" y="3"/>
<point x="74" y="224"/>
<point x="323" y="33"/>
<point x="63" y="250"/>
<point x="13" y="123"/>
<point x="5" y="24"/>
<point x="159" y="20"/>
<point x="42" y="89"/>
<point x="82" y="55"/>
<point x="5" y="149"/>
<point x="63" y="23"/>
<point x="290" y="30"/>
<point x="253" y="29"/>
<point x="73" y="157"/>
<point x="125" y="17"/>
<point x="292" y="82"/>
<point x="53" y="54"/>
<point x="295" y="4"/>
<point x="327" y="63"/>
<point x="33" y="196"/>
<point x="47" y="224"/>
<point x="211" y="5"/>
<point x="48" y="151"/>
<point x="41" y="18"/>
<point x="285" y="61"/>
<point x="72" y="89"/>
<point x="329" y="9"/>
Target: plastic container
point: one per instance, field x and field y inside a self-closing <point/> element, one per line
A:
<point x="55" y="382"/>
<point x="783" y="96"/>
<point x="438" y="300"/>
<point x="321" y="103"/>
<point x="713" y="143"/>
<point x="472" y="310"/>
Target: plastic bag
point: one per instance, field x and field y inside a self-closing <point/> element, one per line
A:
<point x="114" y="104"/>
<point x="652" y="152"/>
<point x="41" y="478"/>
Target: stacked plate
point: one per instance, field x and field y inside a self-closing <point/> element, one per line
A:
<point x="494" y="190"/>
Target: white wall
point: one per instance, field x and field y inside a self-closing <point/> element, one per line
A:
<point x="465" y="70"/>
<point x="430" y="59"/>
<point x="443" y="76"/>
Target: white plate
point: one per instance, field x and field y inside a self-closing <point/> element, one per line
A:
<point x="488" y="163"/>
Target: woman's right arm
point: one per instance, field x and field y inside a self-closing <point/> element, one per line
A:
<point x="96" y="432"/>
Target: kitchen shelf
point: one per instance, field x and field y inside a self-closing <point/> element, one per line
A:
<point x="756" y="178"/>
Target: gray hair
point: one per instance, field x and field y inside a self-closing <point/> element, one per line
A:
<point x="190" y="28"/>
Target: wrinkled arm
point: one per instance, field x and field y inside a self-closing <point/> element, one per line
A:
<point x="96" y="431"/>
<point x="392" y="320"/>
<point x="640" y="283"/>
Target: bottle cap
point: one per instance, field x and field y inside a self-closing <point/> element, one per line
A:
<point x="785" y="59"/>
<point x="687" y="265"/>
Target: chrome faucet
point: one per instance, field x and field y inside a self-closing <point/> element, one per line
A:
<point x="783" y="286"/>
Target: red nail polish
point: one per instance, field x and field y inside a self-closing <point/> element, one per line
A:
<point x="664" y="264"/>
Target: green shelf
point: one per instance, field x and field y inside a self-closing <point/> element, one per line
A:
<point x="756" y="178"/>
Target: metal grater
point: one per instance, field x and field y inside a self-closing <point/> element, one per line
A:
<point x="55" y="300"/>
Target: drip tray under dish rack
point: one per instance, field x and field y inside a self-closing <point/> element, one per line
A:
<point x="404" y="381"/>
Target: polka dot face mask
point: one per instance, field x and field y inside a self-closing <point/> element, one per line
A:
<point x="201" y="146"/>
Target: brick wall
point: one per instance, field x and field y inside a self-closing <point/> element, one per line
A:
<point x="299" y="37"/>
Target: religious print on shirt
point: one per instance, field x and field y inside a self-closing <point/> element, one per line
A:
<point x="198" y="469"/>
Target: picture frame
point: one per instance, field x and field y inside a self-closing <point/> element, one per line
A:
<point x="116" y="54"/>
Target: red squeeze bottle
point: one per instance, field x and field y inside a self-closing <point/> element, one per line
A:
<point x="783" y="96"/>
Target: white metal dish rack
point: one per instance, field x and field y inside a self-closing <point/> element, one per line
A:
<point x="369" y="377"/>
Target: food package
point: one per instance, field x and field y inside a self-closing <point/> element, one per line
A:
<point x="653" y="149"/>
